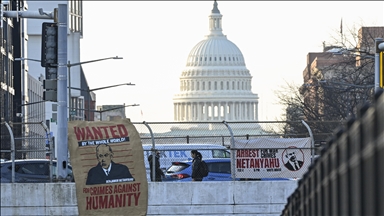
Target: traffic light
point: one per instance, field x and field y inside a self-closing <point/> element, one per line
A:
<point x="49" y="60"/>
<point x="381" y="72"/>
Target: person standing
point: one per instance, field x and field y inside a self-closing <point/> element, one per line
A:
<point x="158" y="172"/>
<point x="196" y="163"/>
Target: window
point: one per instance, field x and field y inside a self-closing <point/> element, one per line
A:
<point x="221" y="153"/>
<point x="76" y="16"/>
<point x="221" y="167"/>
<point x="32" y="168"/>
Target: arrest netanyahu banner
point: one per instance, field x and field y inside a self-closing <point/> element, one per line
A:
<point x="272" y="157"/>
<point x="108" y="165"/>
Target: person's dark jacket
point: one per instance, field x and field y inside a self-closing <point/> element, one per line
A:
<point x="96" y="175"/>
<point x="158" y="172"/>
<point x="196" y="163"/>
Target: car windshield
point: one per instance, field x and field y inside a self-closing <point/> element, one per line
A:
<point x="221" y="154"/>
<point x="177" y="167"/>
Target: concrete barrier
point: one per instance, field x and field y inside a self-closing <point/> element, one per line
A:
<point x="164" y="198"/>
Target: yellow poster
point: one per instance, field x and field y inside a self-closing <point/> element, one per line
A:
<point x="108" y="165"/>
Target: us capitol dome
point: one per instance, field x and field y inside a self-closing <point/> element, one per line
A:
<point x="215" y="84"/>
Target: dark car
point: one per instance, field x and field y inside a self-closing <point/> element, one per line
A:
<point x="219" y="170"/>
<point x="30" y="171"/>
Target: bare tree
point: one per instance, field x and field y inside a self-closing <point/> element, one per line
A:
<point x="336" y="83"/>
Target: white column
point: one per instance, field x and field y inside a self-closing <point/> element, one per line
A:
<point x="199" y="111"/>
<point x="175" y="112"/>
<point x="206" y="111"/>
<point x="219" y="108"/>
<point x="179" y="112"/>
<point x="225" y="111"/>
<point x="232" y="110"/>
<point x="185" y="111"/>
<point x="212" y="111"/>
<point x="252" y="110"/>
<point x="257" y="111"/>
<point x="239" y="111"/>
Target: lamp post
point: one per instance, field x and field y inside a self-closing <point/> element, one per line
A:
<point x="69" y="65"/>
<point x="95" y="89"/>
<point x="29" y="59"/>
<point x="115" y="108"/>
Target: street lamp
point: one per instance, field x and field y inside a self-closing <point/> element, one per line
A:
<point x="115" y="108"/>
<point x="69" y="65"/>
<point x="95" y="89"/>
<point x="22" y="59"/>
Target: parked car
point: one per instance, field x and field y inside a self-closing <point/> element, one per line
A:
<point x="30" y="171"/>
<point x="219" y="170"/>
<point x="182" y="152"/>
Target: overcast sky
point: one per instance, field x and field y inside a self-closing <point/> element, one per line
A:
<point x="155" y="38"/>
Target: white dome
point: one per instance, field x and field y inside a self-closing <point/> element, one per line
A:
<point x="215" y="84"/>
<point x="215" y="50"/>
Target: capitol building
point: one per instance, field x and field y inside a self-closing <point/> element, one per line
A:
<point x="215" y="84"/>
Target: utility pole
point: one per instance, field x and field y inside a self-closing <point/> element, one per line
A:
<point x="62" y="96"/>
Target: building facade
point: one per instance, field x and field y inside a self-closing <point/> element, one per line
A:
<point x="22" y="75"/>
<point x="110" y="113"/>
<point x="215" y="84"/>
<point x="12" y="80"/>
<point x="336" y="82"/>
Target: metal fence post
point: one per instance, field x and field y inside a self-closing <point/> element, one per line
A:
<point x="12" y="150"/>
<point x="312" y="139"/>
<point x="50" y="149"/>
<point x="153" y="151"/>
<point x="233" y="168"/>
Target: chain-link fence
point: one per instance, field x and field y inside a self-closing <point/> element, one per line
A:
<point x="28" y="140"/>
<point x="31" y="140"/>
<point x="217" y="132"/>
<point x="175" y="140"/>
